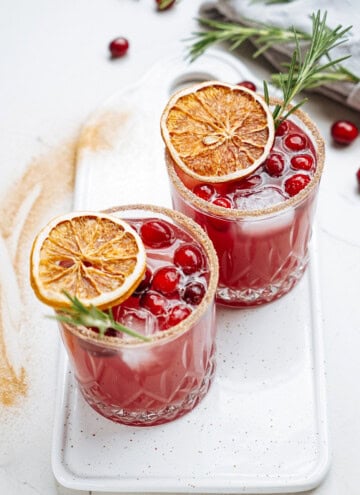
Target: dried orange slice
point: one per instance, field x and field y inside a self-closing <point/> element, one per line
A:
<point x="94" y="256"/>
<point x="217" y="132"/>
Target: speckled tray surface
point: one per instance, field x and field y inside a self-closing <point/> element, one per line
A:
<point x="262" y="426"/>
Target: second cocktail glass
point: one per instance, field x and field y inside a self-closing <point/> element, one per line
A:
<point x="261" y="224"/>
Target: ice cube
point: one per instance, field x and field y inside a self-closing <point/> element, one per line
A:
<point x="259" y="199"/>
<point x="138" y="319"/>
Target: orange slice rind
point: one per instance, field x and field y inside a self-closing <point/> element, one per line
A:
<point x="217" y="132"/>
<point x="96" y="257"/>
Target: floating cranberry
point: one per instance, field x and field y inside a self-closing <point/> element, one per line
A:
<point x="295" y="142"/>
<point x="177" y="314"/>
<point x="247" y="84"/>
<point x="344" y="132"/>
<point x="166" y="280"/>
<point x="248" y="183"/>
<point x="275" y="164"/>
<point x="157" y="233"/>
<point x="164" y="4"/>
<point x="194" y="293"/>
<point x="118" y="47"/>
<point x="223" y="201"/>
<point x="296" y="183"/>
<point x="189" y="258"/>
<point x="302" y="162"/>
<point x="145" y="283"/>
<point x="282" y="129"/>
<point x="204" y="191"/>
<point x="154" y="302"/>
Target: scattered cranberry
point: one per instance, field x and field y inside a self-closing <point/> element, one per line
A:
<point x="154" y="302"/>
<point x="177" y="314"/>
<point x="194" y="293"/>
<point x="223" y="202"/>
<point x="204" y="191"/>
<point x="358" y="176"/>
<point x="275" y="164"/>
<point x="302" y="162"/>
<point x="344" y="132"/>
<point x="166" y="280"/>
<point x="118" y="47"/>
<point x="145" y="283"/>
<point x="295" y="142"/>
<point x="247" y="84"/>
<point x="164" y="4"/>
<point x="282" y="128"/>
<point x="296" y="183"/>
<point x="189" y="258"/>
<point x="156" y="233"/>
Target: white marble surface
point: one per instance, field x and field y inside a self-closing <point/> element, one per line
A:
<point x="54" y="71"/>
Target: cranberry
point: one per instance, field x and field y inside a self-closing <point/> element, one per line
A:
<point x="166" y="280"/>
<point x="154" y="302"/>
<point x="344" y="132"/>
<point x="177" y="314"/>
<point x="223" y="201"/>
<point x="247" y="84"/>
<point x="204" y="191"/>
<point x="164" y="4"/>
<point x="189" y="258"/>
<point x="194" y="293"/>
<point x="302" y="162"/>
<point x="157" y="233"/>
<point x="275" y="164"/>
<point x="145" y="283"/>
<point x="118" y="47"/>
<point x="358" y="176"/>
<point x="282" y="128"/>
<point x="248" y="183"/>
<point x="295" y="142"/>
<point x="296" y="183"/>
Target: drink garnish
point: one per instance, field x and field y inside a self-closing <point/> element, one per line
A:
<point x="307" y="70"/>
<point x="217" y="132"/>
<point x="95" y="257"/>
<point x="303" y="72"/>
<point x="92" y="317"/>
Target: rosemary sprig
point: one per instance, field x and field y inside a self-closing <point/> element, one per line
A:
<point x="263" y="35"/>
<point x="304" y="71"/>
<point x="91" y="316"/>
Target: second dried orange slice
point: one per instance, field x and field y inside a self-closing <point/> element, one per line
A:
<point x="93" y="256"/>
<point x="217" y="132"/>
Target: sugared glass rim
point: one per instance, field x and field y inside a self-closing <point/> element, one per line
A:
<point x="233" y="214"/>
<point x="162" y="336"/>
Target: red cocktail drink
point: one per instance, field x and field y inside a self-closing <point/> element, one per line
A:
<point x="260" y="225"/>
<point x="148" y="383"/>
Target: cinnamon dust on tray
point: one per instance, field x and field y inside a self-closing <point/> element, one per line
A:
<point x="44" y="191"/>
<point x="102" y="131"/>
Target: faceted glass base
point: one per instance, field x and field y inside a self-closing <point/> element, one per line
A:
<point x="254" y="297"/>
<point x="160" y="416"/>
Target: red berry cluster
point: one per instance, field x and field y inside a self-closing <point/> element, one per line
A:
<point x="288" y="168"/>
<point x="171" y="291"/>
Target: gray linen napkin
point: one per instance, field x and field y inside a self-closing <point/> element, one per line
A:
<point x="297" y="13"/>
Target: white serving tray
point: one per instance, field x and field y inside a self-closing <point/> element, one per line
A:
<point x="262" y="426"/>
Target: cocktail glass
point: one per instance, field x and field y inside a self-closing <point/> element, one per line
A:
<point x="262" y="244"/>
<point x="148" y="383"/>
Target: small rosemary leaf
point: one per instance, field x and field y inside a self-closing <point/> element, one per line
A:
<point x="266" y="93"/>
